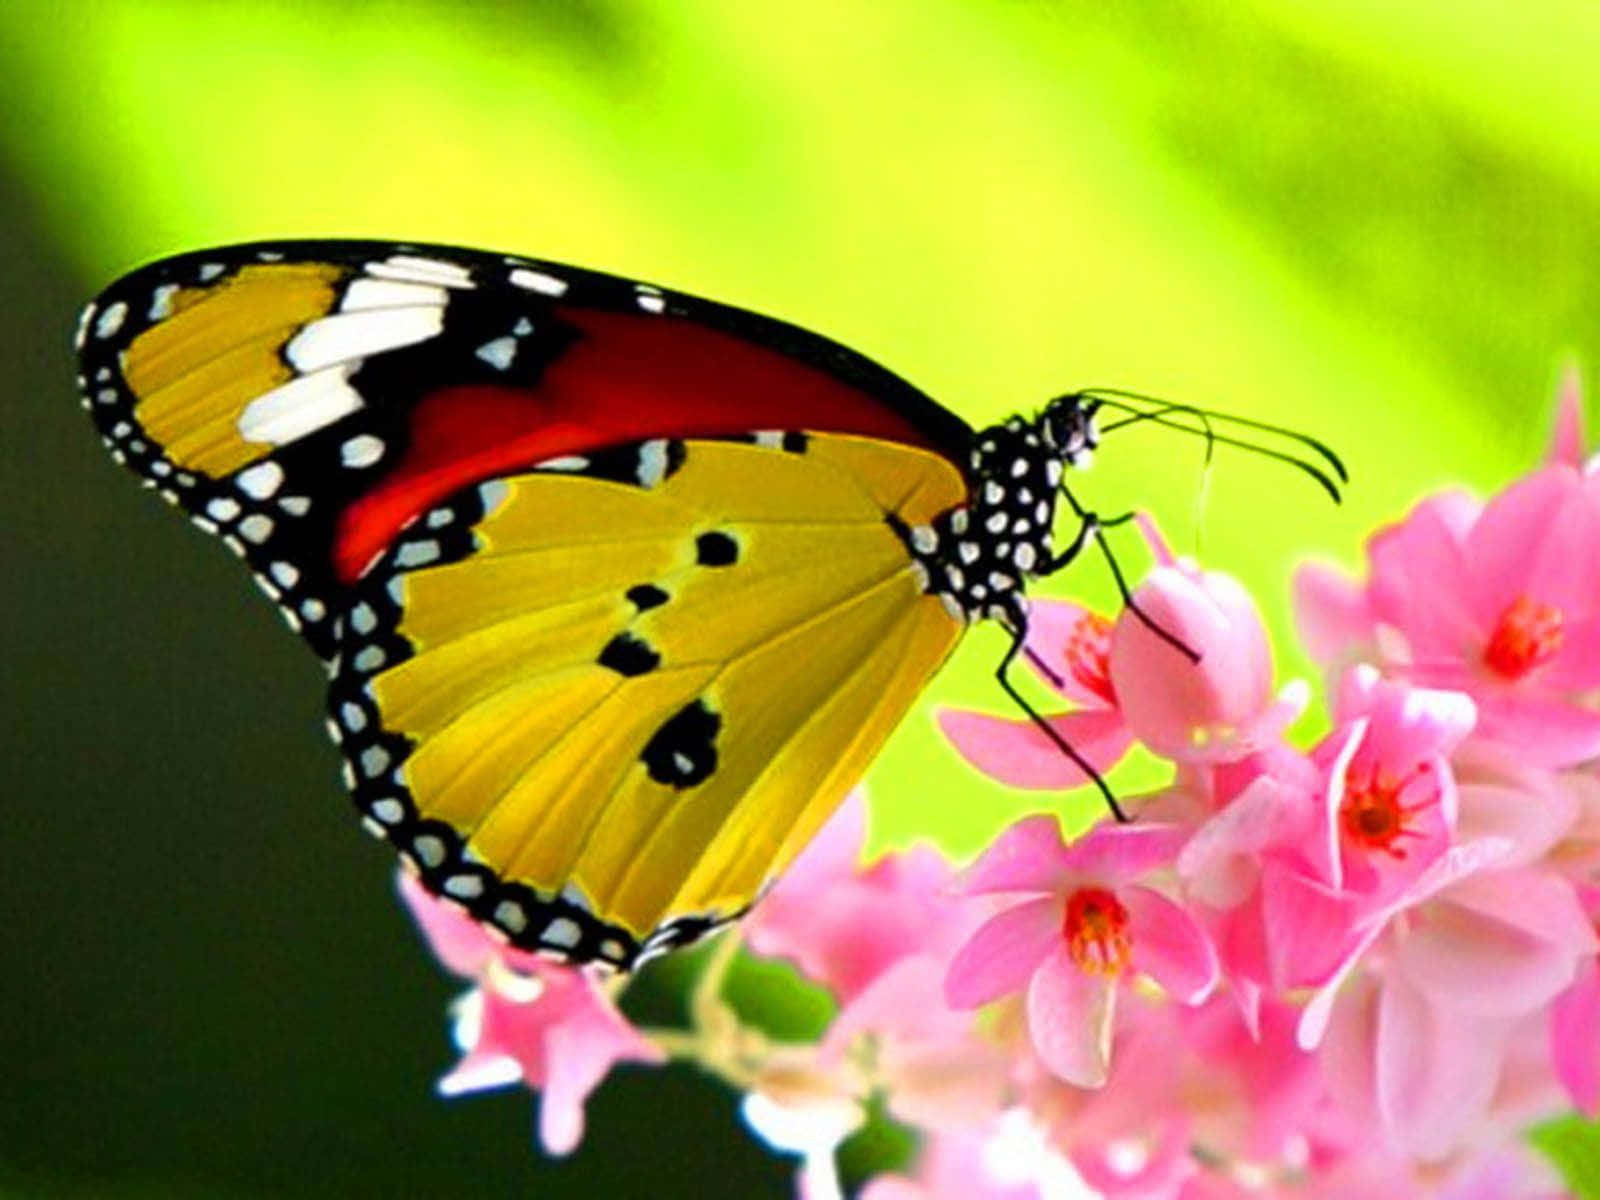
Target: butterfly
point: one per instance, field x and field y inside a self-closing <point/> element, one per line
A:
<point x="618" y="590"/>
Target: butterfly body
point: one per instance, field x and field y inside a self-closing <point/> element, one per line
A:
<point x="619" y="590"/>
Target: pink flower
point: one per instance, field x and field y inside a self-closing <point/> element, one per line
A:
<point x="1069" y="648"/>
<point x="1215" y="710"/>
<point x="843" y="924"/>
<point x="1290" y="869"/>
<point x="1501" y="601"/>
<point x="1450" y="967"/>
<point x="1090" y="928"/>
<point x="550" y="1027"/>
<point x="1391" y="800"/>
<point x="1575" y="1026"/>
<point x="1188" y="1086"/>
<point x="1132" y="683"/>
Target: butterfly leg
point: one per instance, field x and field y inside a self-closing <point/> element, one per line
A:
<point x="1016" y="624"/>
<point x="1093" y="525"/>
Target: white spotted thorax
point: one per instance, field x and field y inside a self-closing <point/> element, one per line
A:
<point x="978" y="558"/>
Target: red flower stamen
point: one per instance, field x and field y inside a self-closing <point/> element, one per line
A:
<point x="1374" y="812"/>
<point x="1527" y="635"/>
<point x="1088" y="655"/>
<point x="1096" y="929"/>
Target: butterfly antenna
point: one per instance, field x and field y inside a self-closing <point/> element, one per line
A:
<point x="1329" y="473"/>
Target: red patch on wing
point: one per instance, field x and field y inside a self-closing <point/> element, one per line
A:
<point x="628" y="378"/>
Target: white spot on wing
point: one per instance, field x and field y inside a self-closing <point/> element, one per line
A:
<point x="361" y="451"/>
<point x="256" y="528"/>
<point x="493" y="494"/>
<point x="417" y="554"/>
<point x="508" y="914"/>
<point x="652" y="304"/>
<point x="411" y="268"/>
<point x="260" y="481"/>
<point x="391" y="293"/>
<point x="348" y="336"/>
<point x="299" y="407"/>
<point x="209" y="271"/>
<point x="161" y="301"/>
<point x="562" y="932"/>
<point x="498" y="353"/>
<point x="363" y="619"/>
<point x="537" y="281"/>
<point x="652" y="468"/>
<point x="111" y="320"/>
<point x="82" y="335"/>
<point x="564" y="462"/>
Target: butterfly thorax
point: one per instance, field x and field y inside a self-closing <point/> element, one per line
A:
<point x="978" y="557"/>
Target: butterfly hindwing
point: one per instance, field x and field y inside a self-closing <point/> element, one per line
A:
<point x="595" y="709"/>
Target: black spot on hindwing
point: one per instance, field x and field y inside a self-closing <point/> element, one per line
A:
<point x="716" y="549"/>
<point x="629" y="654"/>
<point x="646" y="596"/>
<point x="683" y="752"/>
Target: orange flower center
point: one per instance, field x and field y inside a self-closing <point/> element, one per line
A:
<point x="1096" y="929"/>
<point x="1527" y="635"/>
<point x="1375" y="813"/>
<point x="1089" y="653"/>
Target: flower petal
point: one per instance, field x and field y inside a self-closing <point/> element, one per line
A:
<point x="1455" y="864"/>
<point x="1575" y="1039"/>
<point x="1016" y="752"/>
<point x="457" y="941"/>
<point x="1502" y="945"/>
<point x="1221" y="862"/>
<point x="1003" y="953"/>
<point x="1168" y="944"/>
<point x="1540" y="537"/>
<point x="1028" y="856"/>
<point x="1186" y="710"/>
<point x="1331" y="614"/>
<point x="1053" y="626"/>
<point x="1502" y="798"/>
<point x="1112" y="851"/>
<point x="1436" y="1071"/>
<point x="1418" y="580"/>
<point x="1069" y="1020"/>
<point x="1545" y="733"/>
<point x="1566" y="432"/>
<point x="1308" y="926"/>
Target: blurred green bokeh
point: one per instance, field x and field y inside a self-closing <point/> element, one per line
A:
<point x="1377" y="222"/>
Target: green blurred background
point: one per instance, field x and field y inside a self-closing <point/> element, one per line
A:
<point x="1375" y="221"/>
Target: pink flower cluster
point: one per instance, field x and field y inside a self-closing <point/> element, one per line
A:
<point x="1366" y="967"/>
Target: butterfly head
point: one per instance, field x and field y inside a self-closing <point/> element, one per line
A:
<point x="1067" y="425"/>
